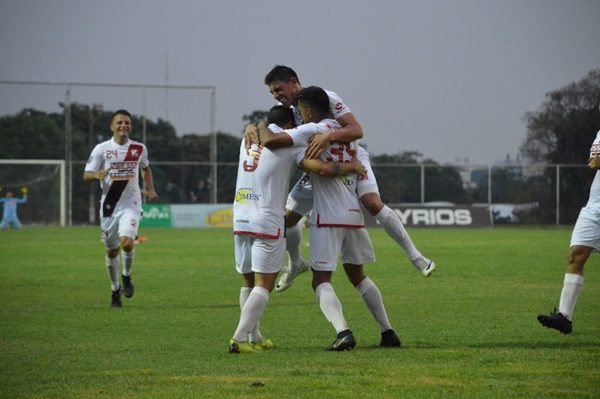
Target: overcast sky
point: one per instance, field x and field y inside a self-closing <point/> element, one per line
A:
<point x="451" y="79"/>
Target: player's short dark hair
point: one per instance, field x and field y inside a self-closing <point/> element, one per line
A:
<point x="120" y="112"/>
<point x="280" y="115"/>
<point x="280" y="73"/>
<point x="315" y="98"/>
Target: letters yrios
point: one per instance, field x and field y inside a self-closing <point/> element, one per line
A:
<point x="435" y="217"/>
<point x="443" y="216"/>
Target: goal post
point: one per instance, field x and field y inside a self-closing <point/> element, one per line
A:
<point x="45" y="182"/>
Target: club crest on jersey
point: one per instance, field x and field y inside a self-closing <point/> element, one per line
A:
<point x="133" y="153"/>
<point x="245" y="195"/>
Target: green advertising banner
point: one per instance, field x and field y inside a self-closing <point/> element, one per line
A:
<point x="156" y="215"/>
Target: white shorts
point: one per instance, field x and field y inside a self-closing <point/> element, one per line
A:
<point x="366" y="184"/>
<point x="257" y="254"/>
<point x="587" y="229"/>
<point x="327" y="243"/>
<point x="300" y="199"/>
<point x="123" y="223"/>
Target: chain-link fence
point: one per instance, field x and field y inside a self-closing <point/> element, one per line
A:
<point x="537" y="194"/>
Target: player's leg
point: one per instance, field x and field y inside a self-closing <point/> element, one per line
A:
<point x="584" y="239"/>
<point x="110" y="238"/>
<point x="357" y="250"/>
<point x="325" y="250"/>
<point x="368" y="192"/>
<point x="243" y="265"/>
<point x="562" y="320"/>
<point x="299" y="204"/>
<point x="267" y="257"/>
<point x="128" y="228"/>
<point x="16" y="222"/>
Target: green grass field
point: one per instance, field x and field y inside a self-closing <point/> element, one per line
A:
<point x="470" y="331"/>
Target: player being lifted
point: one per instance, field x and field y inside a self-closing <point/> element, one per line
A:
<point x="258" y="226"/>
<point x="337" y="223"/>
<point x="116" y="163"/>
<point x="284" y="85"/>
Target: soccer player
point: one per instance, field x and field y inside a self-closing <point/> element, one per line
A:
<point x="585" y="239"/>
<point x="9" y="215"/>
<point x="284" y="85"/>
<point x="116" y="163"/>
<point x="337" y="220"/>
<point x="258" y="226"/>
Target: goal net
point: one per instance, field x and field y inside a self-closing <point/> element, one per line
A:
<point x="44" y="183"/>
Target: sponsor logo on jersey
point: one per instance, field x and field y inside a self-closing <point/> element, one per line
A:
<point x="125" y="170"/>
<point x="245" y="195"/>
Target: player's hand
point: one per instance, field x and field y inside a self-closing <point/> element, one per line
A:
<point x="359" y="168"/>
<point x="317" y="144"/>
<point x="152" y="196"/>
<point x="102" y="174"/>
<point x="594" y="161"/>
<point x="251" y="135"/>
<point x="24" y="190"/>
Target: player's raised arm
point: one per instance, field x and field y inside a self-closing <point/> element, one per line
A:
<point x="271" y="140"/>
<point x="351" y="130"/>
<point x="251" y="135"/>
<point x="333" y="169"/>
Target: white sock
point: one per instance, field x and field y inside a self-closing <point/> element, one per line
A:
<point x="372" y="297"/>
<point x="568" y="296"/>
<point x="331" y="306"/>
<point x="112" y="266"/>
<point x="127" y="260"/>
<point x="251" y="313"/>
<point x="255" y="335"/>
<point x="393" y="226"/>
<point x="293" y="240"/>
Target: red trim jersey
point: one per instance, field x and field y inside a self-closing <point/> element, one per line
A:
<point x="120" y="187"/>
<point x="261" y="189"/>
<point x="336" y="203"/>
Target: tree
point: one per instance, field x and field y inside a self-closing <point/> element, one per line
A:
<point x="255" y="116"/>
<point x="566" y="124"/>
<point x="561" y="132"/>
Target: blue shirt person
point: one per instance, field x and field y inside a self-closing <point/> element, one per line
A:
<point x="9" y="217"/>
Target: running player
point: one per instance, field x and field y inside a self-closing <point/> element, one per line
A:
<point x="585" y="239"/>
<point x="116" y="163"/>
<point x="337" y="220"/>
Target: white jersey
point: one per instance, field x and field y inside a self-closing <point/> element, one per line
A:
<point x="336" y="203"/>
<point x="594" y="199"/>
<point x="261" y="190"/>
<point x="120" y="187"/>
